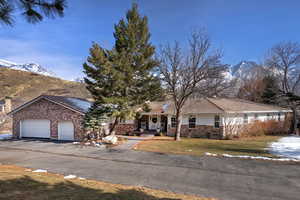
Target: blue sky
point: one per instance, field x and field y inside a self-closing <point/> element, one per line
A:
<point x="243" y="29"/>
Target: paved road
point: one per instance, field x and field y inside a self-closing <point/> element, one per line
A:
<point x="223" y="178"/>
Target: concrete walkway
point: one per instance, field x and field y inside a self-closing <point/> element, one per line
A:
<point x="222" y="178"/>
<point x="132" y="141"/>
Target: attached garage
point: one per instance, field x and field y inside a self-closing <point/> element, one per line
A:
<point x="53" y="117"/>
<point x="38" y="128"/>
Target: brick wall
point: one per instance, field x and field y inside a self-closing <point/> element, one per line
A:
<point x="44" y="109"/>
<point x="122" y="129"/>
<point x="200" y="131"/>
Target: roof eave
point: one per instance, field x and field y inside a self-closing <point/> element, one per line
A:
<point x="39" y="98"/>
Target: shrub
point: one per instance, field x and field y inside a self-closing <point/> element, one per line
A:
<point x="261" y="128"/>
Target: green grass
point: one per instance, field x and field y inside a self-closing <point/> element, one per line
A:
<point x="254" y="146"/>
<point x="20" y="184"/>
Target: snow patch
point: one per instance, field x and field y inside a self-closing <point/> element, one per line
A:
<point x="70" y="176"/>
<point x="40" y="171"/>
<point x="82" y="104"/>
<point x="5" y="136"/>
<point x="287" y="147"/>
<point x="76" y="142"/>
<point x="210" y="154"/>
<point x="251" y="157"/>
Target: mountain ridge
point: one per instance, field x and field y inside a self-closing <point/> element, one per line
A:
<point x="28" y="67"/>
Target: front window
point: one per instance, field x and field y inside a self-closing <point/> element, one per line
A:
<point x="245" y="119"/>
<point x="192" y="122"/>
<point x="173" y="122"/>
<point x="217" y="121"/>
<point x="279" y="116"/>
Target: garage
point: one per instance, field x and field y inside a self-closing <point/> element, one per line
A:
<point x="66" y="114"/>
<point x="39" y="128"/>
<point x="65" y="130"/>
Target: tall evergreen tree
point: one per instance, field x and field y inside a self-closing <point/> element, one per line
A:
<point x="124" y="76"/>
<point x="271" y="90"/>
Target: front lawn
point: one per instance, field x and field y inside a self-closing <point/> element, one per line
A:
<point x="17" y="183"/>
<point x="254" y="146"/>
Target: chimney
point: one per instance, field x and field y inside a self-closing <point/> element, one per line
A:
<point x="7" y="106"/>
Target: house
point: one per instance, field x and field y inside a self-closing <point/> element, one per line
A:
<point x="205" y="117"/>
<point x="5" y="105"/>
<point x="60" y="118"/>
<point x="54" y="117"/>
<point x="5" y="121"/>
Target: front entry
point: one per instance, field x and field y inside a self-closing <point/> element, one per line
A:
<point x="154" y="123"/>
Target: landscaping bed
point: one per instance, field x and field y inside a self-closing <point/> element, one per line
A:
<point x="253" y="146"/>
<point x="20" y="183"/>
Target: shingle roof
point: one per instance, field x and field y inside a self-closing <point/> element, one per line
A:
<point x="212" y="105"/>
<point x="238" y="105"/>
<point x="76" y="104"/>
<point x="79" y="104"/>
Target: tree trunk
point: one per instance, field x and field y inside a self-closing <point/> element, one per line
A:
<point x="295" y="122"/>
<point x="114" y="125"/>
<point x="178" y="126"/>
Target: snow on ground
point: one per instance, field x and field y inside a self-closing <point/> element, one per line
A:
<point x="5" y="136"/>
<point x="70" y="176"/>
<point x="287" y="147"/>
<point x="251" y="157"/>
<point x="40" y="171"/>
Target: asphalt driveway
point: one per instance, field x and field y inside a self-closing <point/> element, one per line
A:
<point x="223" y="178"/>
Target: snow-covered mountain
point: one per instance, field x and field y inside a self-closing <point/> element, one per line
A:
<point x="29" y="67"/>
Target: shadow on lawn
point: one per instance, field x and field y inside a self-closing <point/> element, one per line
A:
<point x="237" y="150"/>
<point x="26" y="188"/>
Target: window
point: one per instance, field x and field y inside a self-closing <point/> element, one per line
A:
<point x="217" y="121"/>
<point x="173" y="122"/>
<point x="245" y="119"/>
<point x="192" y="122"/>
<point x="279" y="116"/>
<point x="255" y="116"/>
<point x="268" y="116"/>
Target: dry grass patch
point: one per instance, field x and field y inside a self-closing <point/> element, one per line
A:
<point x="18" y="183"/>
<point x="254" y="146"/>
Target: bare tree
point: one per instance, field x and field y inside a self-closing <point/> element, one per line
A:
<point x="284" y="61"/>
<point x="185" y="73"/>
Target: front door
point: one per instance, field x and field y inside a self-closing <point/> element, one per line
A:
<point x="154" y="122"/>
<point x="163" y="123"/>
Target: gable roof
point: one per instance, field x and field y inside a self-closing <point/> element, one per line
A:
<point x="213" y="105"/>
<point x="76" y="104"/>
<point x="241" y="105"/>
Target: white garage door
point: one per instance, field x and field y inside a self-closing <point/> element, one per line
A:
<point x="65" y="130"/>
<point x="35" y="128"/>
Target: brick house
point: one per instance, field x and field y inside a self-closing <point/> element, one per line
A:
<point x="53" y="117"/>
<point x="205" y="117"/>
<point x="60" y="118"/>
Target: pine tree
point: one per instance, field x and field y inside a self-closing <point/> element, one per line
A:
<point x="271" y="90"/>
<point x="124" y="77"/>
<point x="32" y="10"/>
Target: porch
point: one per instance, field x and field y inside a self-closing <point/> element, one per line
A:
<point x="153" y="123"/>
